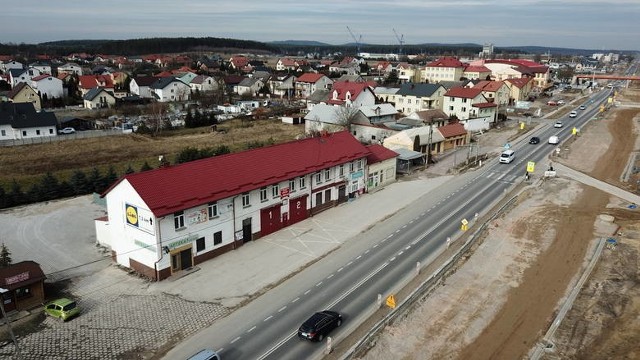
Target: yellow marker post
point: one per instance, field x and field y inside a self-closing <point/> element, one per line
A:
<point x="574" y="131"/>
<point x="391" y="302"/>
<point x="521" y="126"/>
<point x="465" y="225"/>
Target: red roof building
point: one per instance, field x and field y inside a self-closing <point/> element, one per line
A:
<point x="226" y="200"/>
<point x="88" y="82"/>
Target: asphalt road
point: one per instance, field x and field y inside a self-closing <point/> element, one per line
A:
<point x="377" y="262"/>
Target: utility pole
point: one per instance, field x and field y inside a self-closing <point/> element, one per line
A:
<point x="429" y="143"/>
<point x="6" y="319"/>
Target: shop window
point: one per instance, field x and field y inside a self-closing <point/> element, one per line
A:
<point x="212" y="209"/>
<point x="23" y="292"/>
<point x="217" y="238"/>
<point x="275" y="191"/>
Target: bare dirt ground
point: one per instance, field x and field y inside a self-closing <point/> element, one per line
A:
<point x="511" y="287"/>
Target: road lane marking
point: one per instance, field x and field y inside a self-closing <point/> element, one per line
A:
<point x="296" y="299"/>
<point x="269" y="318"/>
<point x="236" y="339"/>
<point x="359" y="256"/>
<point x="318" y="284"/>
<point x="330" y="276"/>
<point x="306" y="292"/>
<point x="250" y="330"/>
<point x="282" y="308"/>
<point x="340" y="269"/>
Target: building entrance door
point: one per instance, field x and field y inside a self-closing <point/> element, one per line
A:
<point x="181" y="259"/>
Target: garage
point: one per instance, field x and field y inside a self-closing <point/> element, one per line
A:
<point x="270" y="220"/>
<point x="298" y="209"/>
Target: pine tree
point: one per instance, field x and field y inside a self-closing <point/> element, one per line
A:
<point x="79" y="183"/>
<point x="5" y="256"/>
<point x="145" y="167"/>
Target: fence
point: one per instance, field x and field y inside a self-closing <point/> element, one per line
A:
<point x="51" y="139"/>
<point x="425" y="288"/>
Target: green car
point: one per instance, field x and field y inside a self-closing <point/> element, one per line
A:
<point x="63" y="309"/>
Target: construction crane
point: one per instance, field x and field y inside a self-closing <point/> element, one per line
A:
<point x="400" y="40"/>
<point x="357" y="40"/>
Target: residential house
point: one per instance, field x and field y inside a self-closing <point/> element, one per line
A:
<point x="186" y="77"/>
<point x="350" y="94"/>
<point x="7" y="65"/>
<point x="22" y="121"/>
<point x="23" y="93"/>
<point x="328" y="118"/>
<point x="465" y="103"/>
<point x="88" y="82"/>
<point x="282" y="85"/>
<point x="433" y="117"/>
<point x="238" y="62"/>
<point x="417" y="97"/>
<point x="407" y="73"/>
<point x="381" y="167"/>
<point x="370" y="123"/>
<point x="503" y="69"/>
<point x="48" y="86"/>
<point x="98" y="98"/>
<point x="141" y="86"/>
<point x="289" y="64"/>
<point x="386" y="94"/>
<point x="43" y="68"/>
<point x="443" y="69"/>
<point x="476" y="72"/>
<point x="494" y="91"/>
<point x="203" y="83"/>
<point x="519" y="89"/>
<point x="351" y="78"/>
<point x="345" y="69"/>
<point x="454" y="135"/>
<point x="249" y="86"/>
<point x="307" y="83"/>
<point x="22" y="75"/>
<point x="166" y="220"/>
<point x="170" y="89"/>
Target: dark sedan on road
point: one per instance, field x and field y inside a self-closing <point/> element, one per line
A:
<point x="319" y="325"/>
<point x="534" y="140"/>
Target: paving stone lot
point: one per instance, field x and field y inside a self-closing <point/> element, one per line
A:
<point x="120" y="320"/>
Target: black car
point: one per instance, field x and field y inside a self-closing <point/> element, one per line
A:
<point x="534" y="140"/>
<point x="319" y="325"/>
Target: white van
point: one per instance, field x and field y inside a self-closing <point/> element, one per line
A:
<point x="507" y="156"/>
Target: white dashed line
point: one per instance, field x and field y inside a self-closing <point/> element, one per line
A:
<point x="318" y="284"/>
<point x="393" y="258"/>
<point x="349" y="263"/>
<point x="294" y="300"/>
<point x="282" y="308"/>
<point x="376" y="245"/>
<point x="267" y="319"/>
<point x="330" y="276"/>
<point x="236" y="339"/>
<point x="308" y="291"/>
<point x="359" y="256"/>
<point x="400" y="253"/>
<point x="250" y="330"/>
<point x="340" y="269"/>
<point x="366" y="252"/>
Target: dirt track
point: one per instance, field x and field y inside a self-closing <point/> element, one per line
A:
<point x="539" y="249"/>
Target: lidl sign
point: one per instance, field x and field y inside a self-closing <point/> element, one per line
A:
<point x="139" y="218"/>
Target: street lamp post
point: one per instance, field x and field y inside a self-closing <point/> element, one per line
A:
<point x="6" y="319"/>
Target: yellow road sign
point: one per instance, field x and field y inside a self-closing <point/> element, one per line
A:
<point x="521" y="126"/>
<point x="531" y="166"/>
<point x="464" y="227"/>
<point x="391" y="302"/>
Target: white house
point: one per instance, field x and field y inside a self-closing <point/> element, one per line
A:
<point x="166" y="220"/>
<point x="48" y="85"/>
<point x="42" y="67"/>
<point x="170" y="89"/>
<point x="141" y="86"/>
<point x="98" y="98"/>
<point x="22" y="121"/>
<point x="308" y="83"/>
<point x="11" y="64"/>
<point x="465" y="103"/>
<point x="203" y="83"/>
<point x="381" y="167"/>
<point x="22" y="75"/>
<point x="70" y="68"/>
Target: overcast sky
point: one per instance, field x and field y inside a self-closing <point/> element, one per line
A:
<point x="583" y="24"/>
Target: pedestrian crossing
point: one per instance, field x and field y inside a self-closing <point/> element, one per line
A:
<point x="503" y="177"/>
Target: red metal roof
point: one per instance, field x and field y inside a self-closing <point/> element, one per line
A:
<point x="40" y="77"/>
<point x="379" y="153"/>
<point x="477" y="68"/>
<point x="175" y="188"/>
<point x="451" y="130"/>
<point x="485" y="105"/>
<point x="309" y="77"/>
<point x="449" y="62"/>
<point x="462" y="92"/>
<point x="486" y="85"/>
<point x="92" y="81"/>
<point x="519" y="82"/>
<point x="344" y="87"/>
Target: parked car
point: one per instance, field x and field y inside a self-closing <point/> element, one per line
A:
<point x="582" y="107"/>
<point x="560" y="102"/>
<point x="67" y="130"/>
<point x="205" y="354"/>
<point x="552" y="103"/>
<point x="557" y="124"/>
<point x="319" y="325"/>
<point x="572" y="115"/>
<point x="63" y="309"/>
<point x="554" y="140"/>
<point x="534" y="140"/>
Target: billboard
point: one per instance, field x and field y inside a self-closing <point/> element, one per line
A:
<point x="139" y="218"/>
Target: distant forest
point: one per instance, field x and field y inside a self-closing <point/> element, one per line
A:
<point x="134" y="47"/>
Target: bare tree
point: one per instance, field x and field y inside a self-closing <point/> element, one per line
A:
<point x="345" y="116"/>
<point x="158" y="111"/>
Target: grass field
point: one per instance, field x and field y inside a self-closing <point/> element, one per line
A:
<point x="28" y="163"/>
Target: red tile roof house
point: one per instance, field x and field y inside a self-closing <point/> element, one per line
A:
<point x="166" y="220"/>
<point x="454" y="135"/>
<point x="88" y="82"/>
<point x="351" y="94"/>
<point x="308" y="83"/>
<point x="470" y="107"/>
